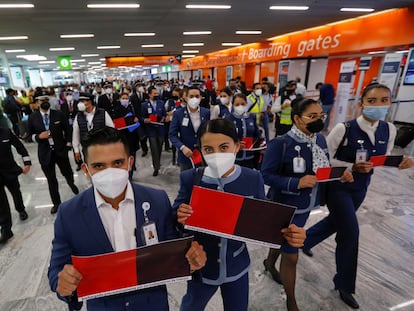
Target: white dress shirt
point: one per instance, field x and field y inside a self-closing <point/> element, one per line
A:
<point x="89" y="119"/>
<point x="215" y="111"/>
<point x="195" y="119"/>
<point x="335" y="137"/>
<point x="120" y="225"/>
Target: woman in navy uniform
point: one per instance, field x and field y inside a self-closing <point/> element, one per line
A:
<point x="365" y="136"/>
<point x="227" y="260"/>
<point x="246" y="126"/>
<point x="223" y="107"/>
<point x="289" y="168"/>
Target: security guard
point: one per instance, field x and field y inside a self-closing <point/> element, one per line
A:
<point x="9" y="172"/>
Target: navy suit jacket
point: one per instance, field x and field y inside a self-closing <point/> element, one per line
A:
<point x="80" y="231"/>
<point x="146" y="110"/>
<point x="180" y="135"/>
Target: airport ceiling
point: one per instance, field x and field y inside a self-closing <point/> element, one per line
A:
<point x="168" y="19"/>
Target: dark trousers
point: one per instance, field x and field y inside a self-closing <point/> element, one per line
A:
<point x="235" y="295"/>
<point x="342" y="220"/>
<point x="156" y="149"/>
<point x="14" y="119"/>
<point x="166" y="140"/>
<point x="50" y="173"/>
<point x="5" y="214"/>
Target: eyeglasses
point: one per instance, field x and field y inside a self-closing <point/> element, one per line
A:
<point x="322" y="116"/>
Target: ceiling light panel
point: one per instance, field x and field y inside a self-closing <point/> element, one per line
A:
<point x="89" y="55"/>
<point x="248" y="32"/>
<point x="208" y="6"/>
<point x="61" y="49"/>
<point x="356" y="10"/>
<point x="86" y="35"/>
<point x="231" y="44"/>
<point x="16" y="5"/>
<point x="191" y="51"/>
<point x="14" y="38"/>
<point x="113" y="6"/>
<point x="139" y="34"/>
<point x="16" y="51"/>
<point x="152" y="45"/>
<point x="289" y="8"/>
<point x="108" y="47"/>
<point x="193" y="33"/>
<point x="194" y="44"/>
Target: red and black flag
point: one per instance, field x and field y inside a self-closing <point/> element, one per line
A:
<point x="330" y="173"/>
<point x="120" y="272"/>
<point x="384" y="160"/>
<point x="238" y="217"/>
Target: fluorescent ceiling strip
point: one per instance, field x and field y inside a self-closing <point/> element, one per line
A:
<point x="14" y="38"/>
<point x="89" y="55"/>
<point x="87" y="35"/>
<point x="187" y="56"/>
<point x="208" y="6"/>
<point x="192" y="33"/>
<point x="107" y="47"/>
<point x="288" y="8"/>
<point x="61" y="49"/>
<point x="248" y="32"/>
<point x="193" y="44"/>
<point x="16" y="5"/>
<point x="139" y="34"/>
<point x="152" y="45"/>
<point x="356" y="10"/>
<point x="16" y="51"/>
<point x="113" y="6"/>
<point x="47" y="62"/>
<point x="191" y="51"/>
<point x="231" y="44"/>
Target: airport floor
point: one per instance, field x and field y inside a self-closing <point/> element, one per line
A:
<point x="386" y="254"/>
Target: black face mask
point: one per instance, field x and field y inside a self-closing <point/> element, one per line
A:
<point x="175" y="97"/>
<point x="290" y="92"/>
<point x="315" y="126"/>
<point x="45" y="105"/>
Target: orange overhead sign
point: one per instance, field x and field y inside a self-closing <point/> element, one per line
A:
<point x="141" y="60"/>
<point x="374" y="31"/>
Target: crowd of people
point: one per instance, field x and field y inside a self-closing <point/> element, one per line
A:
<point x="223" y="136"/>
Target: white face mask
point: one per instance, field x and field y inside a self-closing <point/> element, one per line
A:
<point x="141" y="89"/>
<point x="108" y="90"/>
<point x="69" y="98"/>
<point x="124" y="102"/>
<point x="81" y="106"/>
<point x="220" y="163"/>
<point x="224" y="100"/>
<point x="110" y="182"/>
<point x="258" y="92"/>
<point x="239" y="110"/>
<point x="194" y="102"/>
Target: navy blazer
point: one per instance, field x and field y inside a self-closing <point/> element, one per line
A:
<point x="244" y="181"/>
<point x="180" y="135"/>
<point x="146" y="110"/>
<point x="80" y="231"/>
<point x="58" y="127"/>
<point x="277" y="171"/>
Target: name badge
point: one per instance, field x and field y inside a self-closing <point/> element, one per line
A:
<point x="70" y="121"/>
<point x="185" y="121"/>
<point x="149" y="229"/>
<point x="361" y="156"/>
<point x="299" y="165"/>
<point x="149" y="110"/>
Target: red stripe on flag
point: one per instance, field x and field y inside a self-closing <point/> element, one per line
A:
<point x="378" y="160"/>
<point x="96" y="270"/>
<point x="119" y="123"/>
<point x="323" y="173"/>
<point x="214" y="210"/>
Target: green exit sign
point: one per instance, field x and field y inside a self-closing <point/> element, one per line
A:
<point x="64" y="62"/>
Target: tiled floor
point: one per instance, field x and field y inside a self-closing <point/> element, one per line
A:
<point x="386" y="260"/>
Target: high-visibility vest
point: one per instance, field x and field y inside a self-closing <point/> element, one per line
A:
<point x="258" y="107"/>
<point x="285" y="115"/>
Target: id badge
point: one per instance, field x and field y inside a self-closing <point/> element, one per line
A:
<point x="185" y="121"/>
<point x="361" y="156"/>
<point x="70" y="121"/>
<point x="299" y="165"/>
<point x="149" y="233"/>
<point x="149" y="110"/>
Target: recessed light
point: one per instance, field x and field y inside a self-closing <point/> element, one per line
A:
<point x="77" y="60"/>
<point x="192" y="33"/>
<point x="208" y="6"/>
<point x="113" y="6"/>
<point x="87" y="35"/>
<point x="288" y="8"/>
<point x="15" y="38"/>
<point x="16" y="51"/>
<point x="89" y="55"/>
<point x="193" y="44"/>
<point x="16" y="5"/>
<point x="108" y="47"/>
<point x="32" y="57"/>
<point x="139" y="34"/>
<point x="248" y="32"/>
<point x="152" y="45"/>
<point x="94" y="63"/>
<point x="61" y="49"/>
<point x="190" y="51"/>
<point x="231" y="44"/>
<point x="356" y="10"/>
<point x="187" y="56"/>
<point x="102" y="59"/>
<point x="47" y="62"/>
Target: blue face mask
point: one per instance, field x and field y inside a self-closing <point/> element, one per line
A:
<point x="375" y="112"/>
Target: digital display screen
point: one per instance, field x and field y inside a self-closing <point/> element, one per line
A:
<point x="409" y="75"/>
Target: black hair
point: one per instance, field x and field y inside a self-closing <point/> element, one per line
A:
<point x="226" y="90"/>
<point x="103" y="136"/>
<point x="220" y="126"/>
<point x="372" y="86"/>
<point x="318" y="85"/>
<point x="186" y="90"/>
<point x="254" y="85"/>
<point x="151" y="88"/>
<point x="299" y="105"/>
<point x="238" y="95"/>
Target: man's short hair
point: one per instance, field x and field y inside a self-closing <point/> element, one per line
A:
<point x="103" y="136"/>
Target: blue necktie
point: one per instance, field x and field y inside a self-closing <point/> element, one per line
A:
<point x="46" y="121"/>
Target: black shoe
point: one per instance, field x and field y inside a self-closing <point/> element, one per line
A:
<point x="155" y="173"/>
<point x="307" y="251"/>
<point x="75" y="189"/>
<point x="5" y="236"/>
<point x="23" y="215"/>
<point x="54" y="209"/>
<point x="275" y="274"/>
<point x="348" y="299"/>
<point x="144" y="153"/>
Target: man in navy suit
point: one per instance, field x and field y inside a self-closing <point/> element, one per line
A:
<point x="105" y="218"/>
<point x="50" y="129"/>
<point x="153" y="115"/>
<point x="185" y="126"/>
